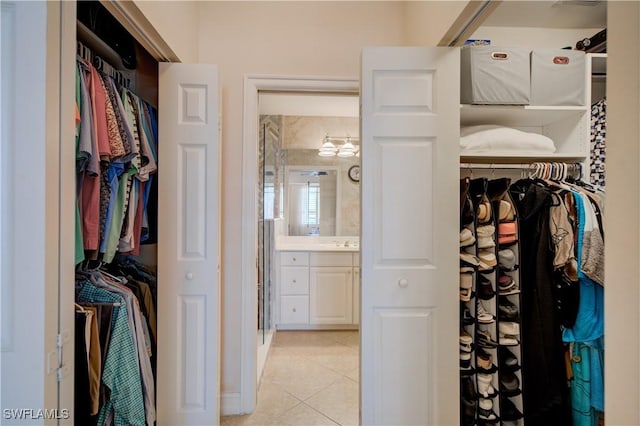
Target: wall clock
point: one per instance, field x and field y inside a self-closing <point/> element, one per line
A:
<point x="354" y="173"/>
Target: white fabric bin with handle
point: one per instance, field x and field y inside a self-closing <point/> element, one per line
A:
<point x="494" y="75"/>
<point x="558" y="77"/>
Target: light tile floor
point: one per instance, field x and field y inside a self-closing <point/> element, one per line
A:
<point x="310" y="379"/>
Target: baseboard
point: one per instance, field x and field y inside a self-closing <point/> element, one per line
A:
<point x="230" y="403"/>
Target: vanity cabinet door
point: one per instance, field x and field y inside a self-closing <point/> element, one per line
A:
<point x="331" y="295"/>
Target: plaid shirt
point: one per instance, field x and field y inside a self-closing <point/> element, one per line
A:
<point x="121" y="372"/>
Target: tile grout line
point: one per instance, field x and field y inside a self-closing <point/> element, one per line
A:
<point x="323" y="414"/>
<point x="294" y="342"/>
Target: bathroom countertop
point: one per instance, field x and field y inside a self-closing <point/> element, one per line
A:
<point x="285" y="243"/>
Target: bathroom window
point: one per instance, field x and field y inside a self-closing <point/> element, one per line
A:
<point x="269" y="200"/>
<point x="313" y="203"/>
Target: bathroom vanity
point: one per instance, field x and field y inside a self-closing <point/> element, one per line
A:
<point x="317" y="282"/>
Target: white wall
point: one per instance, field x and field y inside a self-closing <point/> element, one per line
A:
<point x="622" y="216"/>
<point x="428" y="21"/>
<point x="175" y="21"/>
<point x="277" y="38"/>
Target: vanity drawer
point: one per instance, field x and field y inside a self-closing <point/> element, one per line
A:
<point x="294" y="258"/>
<point x="294" y="309"/>
<point x="331" y="259"/>
<point x="294" y="280"/>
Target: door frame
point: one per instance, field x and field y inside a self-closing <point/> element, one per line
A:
<point x="252" y="85"/>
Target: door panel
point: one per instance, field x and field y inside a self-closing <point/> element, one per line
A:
<point x="409" y="190"/>
<point x="188" y="245"/>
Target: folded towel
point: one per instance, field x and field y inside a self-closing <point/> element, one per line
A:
<point x="489" y="138"/>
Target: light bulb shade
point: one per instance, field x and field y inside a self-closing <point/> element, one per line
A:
<point x="327" y="153"/>
<point x="328" y="146"/>
<point x="348" y="147"/>
<point x="328" y="149"/>
<point x="346" y="154"/>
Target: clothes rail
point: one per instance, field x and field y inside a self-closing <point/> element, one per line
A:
<point x="544" y="170"/>
<point x="495" y="166"/>
<point x="89" y="39"/>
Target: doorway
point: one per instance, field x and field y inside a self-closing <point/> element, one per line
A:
<point x="251" y="370"/>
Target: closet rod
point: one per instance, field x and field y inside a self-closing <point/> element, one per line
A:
<point x="99" y="47"/>
<point x="495" y="166"/>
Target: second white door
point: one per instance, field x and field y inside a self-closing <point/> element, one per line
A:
<point x="409" y="187"/>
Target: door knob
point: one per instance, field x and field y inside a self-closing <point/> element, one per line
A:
<point x="403" y="282"/>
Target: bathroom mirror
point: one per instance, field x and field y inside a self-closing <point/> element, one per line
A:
<point x="312" y="200"/>
<point x="292" y="143"/>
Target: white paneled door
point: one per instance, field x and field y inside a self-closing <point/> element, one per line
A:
<point x="188" y="246"/>
<point x="409" y="189"/>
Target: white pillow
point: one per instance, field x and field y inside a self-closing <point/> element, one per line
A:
<point x="489" y="138"/>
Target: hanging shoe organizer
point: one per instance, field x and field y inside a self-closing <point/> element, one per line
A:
<point x="508" y="306"/>
<point x="490" y="378"/>
<point x="468" y="266"/>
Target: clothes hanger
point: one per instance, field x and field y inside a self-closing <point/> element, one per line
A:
<point x="113" y="277"/>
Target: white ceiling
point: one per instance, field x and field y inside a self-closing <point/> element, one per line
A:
<point x="549" y="14"/>
<point x="308" y="104"/>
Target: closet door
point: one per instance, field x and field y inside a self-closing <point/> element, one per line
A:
<point x="409" y="190"/>
<point x="188" y="245"/>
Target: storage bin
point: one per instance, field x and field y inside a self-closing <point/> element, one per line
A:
<point x="557" y="77"/>
<point x="495" y="75"/>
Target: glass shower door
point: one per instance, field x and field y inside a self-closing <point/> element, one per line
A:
<point x="268" y="210"/>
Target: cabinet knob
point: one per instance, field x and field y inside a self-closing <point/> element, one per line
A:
<point x="294" y="309"/>
<point x="189" y="275"/>
<point x="294" y="281"/>
<point x="403" y="283"/>
<point x="294" y="259"/>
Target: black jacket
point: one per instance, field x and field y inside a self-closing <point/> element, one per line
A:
<point x="544" y="387"/>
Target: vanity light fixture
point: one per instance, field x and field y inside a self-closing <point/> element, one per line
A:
<point x="328" y="149"/>
<point x="346" y="150"/>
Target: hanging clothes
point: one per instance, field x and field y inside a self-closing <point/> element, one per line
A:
<point x="82" y="400"/>
<point x="545" y="396"/>
<point x="125" y="402"/>
<point x="88" y="158"/>
<point x="137" y="328"/>
<point x="587" y="387"/>
<point x="115" y="153"/>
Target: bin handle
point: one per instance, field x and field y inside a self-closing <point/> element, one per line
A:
<point x="499" y="55"/>
<point x="561" y="60"/>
